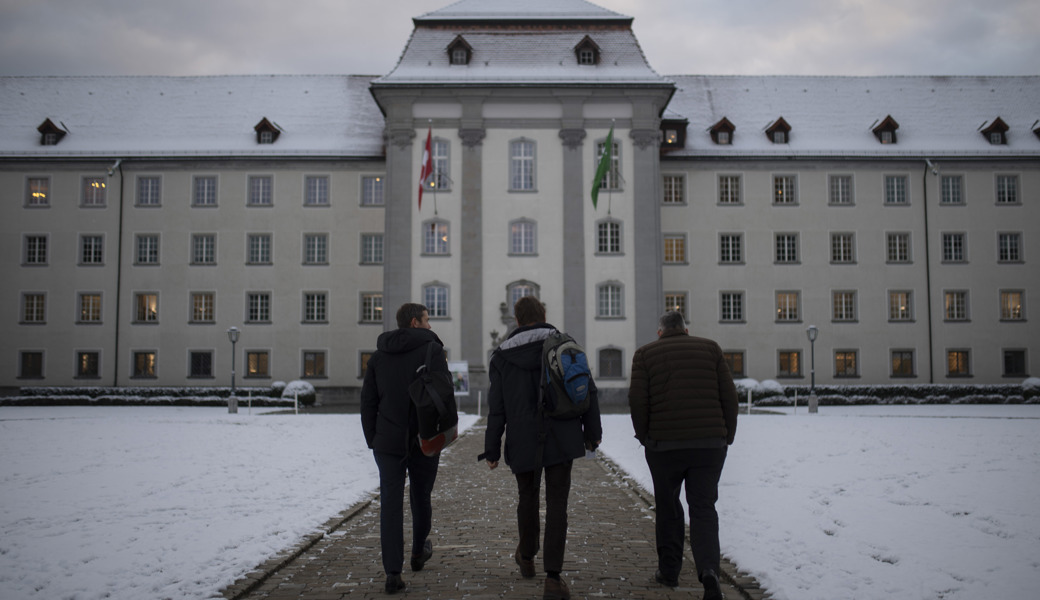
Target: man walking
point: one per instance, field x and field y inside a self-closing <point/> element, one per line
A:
<point x="391" y="429"/>
<point x="535" y="442"/>
<point x="684" y="411"/>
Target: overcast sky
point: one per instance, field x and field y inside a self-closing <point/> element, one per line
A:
<point x="365" y="37"/>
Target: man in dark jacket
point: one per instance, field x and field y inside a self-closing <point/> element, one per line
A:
<point x="391" y="430"/>
<point x="535" y="442"/>
<point x="684" y="411"/>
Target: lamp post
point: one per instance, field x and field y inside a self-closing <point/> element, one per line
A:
<point x="812" y="332"/>
<point x="232" y="403"/>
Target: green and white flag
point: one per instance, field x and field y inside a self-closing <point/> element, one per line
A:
<point x="604" y="165"/>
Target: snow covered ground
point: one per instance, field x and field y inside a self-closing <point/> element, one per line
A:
<point x="867" y="502"/>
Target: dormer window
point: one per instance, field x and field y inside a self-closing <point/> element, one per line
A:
<point x="885" y="131"/>
<point x="266" y="132"/>
<point x="673" y="132"/>
<point x="459" y="51"/>
<point x="996" y="132"/>
<point x="587" y="52"/>
<point x="722" y="132"/>
<point x="50" y="134"/>
<point x="671" y="136"/>
<point x="779" y="132"/>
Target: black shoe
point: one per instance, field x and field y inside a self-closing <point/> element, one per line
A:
<point x="394" y="583"/>
<point x="526" y="565"/>
<point x="712" y="590"/>
<point x="418" y="560"/>
<point x="659" y="578"/>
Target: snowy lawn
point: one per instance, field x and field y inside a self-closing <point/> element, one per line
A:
<point x="852" y="503"/>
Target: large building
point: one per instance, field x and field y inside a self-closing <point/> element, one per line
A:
<point x="145" y="216"/>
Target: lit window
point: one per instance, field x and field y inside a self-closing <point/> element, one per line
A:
<point x="90" y="308"/>
<point x="735" y="360"/>
<point x="784" y="190"/>
<point x="144" y="365"/>
<point x="38" y="191"/>
<point x="94" y="189"/>
<point x="675" y="301"/>
<point x="372" y="190"/>
<point x="88" y="365"/>
<point x="955" y="307"/>
<point x="787" y="306"/>
<point x="203" y="307"/>
<point x="435" y="237"/>
<point x="845" y="363"/>
<point x="1011" y="304"/>
<point x="958" y="363"/>
<point x="844" y="306"/>
<point x="900" y="307"/>
<point x="372" y="307"/>
<point x="675" y="249"/>
<point x="258" y="363"/>
<point x="147" y="308"/>
<point x="902" y="363"/>
<point x="313" y="364"/>
<point x="790" y="363"/>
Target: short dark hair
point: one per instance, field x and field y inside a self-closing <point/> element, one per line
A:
<point x="672" y="321"/>
<point x="528" y="311"/>
<point x="409" y="311"/>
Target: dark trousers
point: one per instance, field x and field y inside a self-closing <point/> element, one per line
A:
<point x="699" y="469"/>
<point x="557" y="489"/>
<point x="422" y="472"/>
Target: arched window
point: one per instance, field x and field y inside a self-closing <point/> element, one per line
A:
<point x="611" y="365"/>
<point x="435" y="297"/>
<point x="523" y="237"/>
<point x="519" y="289"/>
<point x="522" y="165"/>
<point x="610" y="300"/>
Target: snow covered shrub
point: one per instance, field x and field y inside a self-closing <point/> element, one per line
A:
<point x="277" y="388"/>
<point x="1031" y="385"/>
<point x="304" y="389"/>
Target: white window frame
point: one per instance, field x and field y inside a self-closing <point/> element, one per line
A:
<point x="373" y="189"/>
<point x="372" y="248"/>
<point x="316" y="249"/>
<point x="316" y="190"/>
<point x="436" y="238"/>
<point x="523" y="156"/>
<point x="261" y="190"/>
<point x="437" y="299"/>
<point x="610" y="300"/>
<point x="523" y="238"/>
<point x="609" y="237"/>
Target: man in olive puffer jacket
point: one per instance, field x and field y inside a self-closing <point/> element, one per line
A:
<point x="684" y="411"/>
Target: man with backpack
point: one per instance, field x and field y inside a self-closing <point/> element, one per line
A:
<point x="391" y="429"/>
<point x="523" y="399"/>
<point x="684" y="411"/>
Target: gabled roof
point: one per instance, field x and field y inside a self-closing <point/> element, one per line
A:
<point x="528" y="10"/>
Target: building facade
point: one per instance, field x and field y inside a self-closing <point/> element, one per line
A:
<point x="145" y="216"/>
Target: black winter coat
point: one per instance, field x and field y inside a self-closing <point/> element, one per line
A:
<point x="513" y="408"/>
<point x="387" y="414"/>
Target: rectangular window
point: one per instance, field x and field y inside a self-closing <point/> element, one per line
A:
<point x="784" y="191"/>
<point x="372" y="249"/>
<point x="608" y="237"/>
<point x="205" y="191"/>
<point x="90" y="308"/>
<point x="902" y="363"/>
<point x="790" y="363"/>
<point x="842" y="248"/>
<point x="522" y="237"/>
<point x="440" y="158"/>
<point x="675" y="249"/>
<point x="35" y="249"/>
<point x="609" y="301"/>
<point x="610" y="364"/>
<point x="94" y="189"/>
<point x="316" y="190"/>
<point x="673" y="189"/>
<point x="259" y="249"/>
<point x="840" y="189"/>
<point x="675" y="301"/>
<point x="88" y="365"/>
<point x="201" y="364"/>
<point x="149" y="191"/>
<point x="731" y="248"/>
<point x="950" y="190"/>
<point x="1009" y="247"/>
<point x="953" y="247"/>
<point x="260" y="190"/>
<point x="34" y="308"/>
<point x="147" y="308"/>
<point x="372" y="308"/>
<point x="1011" y="305"/>
<point x="898" y="246"/>
<point x="521" y="166"/>
<point x="435" y="237"/>
<point x="729" y="189"/>
<point x="372" y="190"/>
<point x="900" y="306"/>
<point x="1007" y="189"/>
<point x="31" y="366"/>
<point x="787" y="306"/>
<point x="958" y="363"/>
<point x="38" y="191"/>
<point x="203" y="249"/>
<point x="732" y="307"/>
<point x="844" y="306"/>
<point x="144" y="365"/>
<point x="612" y="178"/>
<point x="735" y="360"/>
<point x="258" y="363"/>
<point x="258" y="307"/>
<point x="203" y="307"/>
<point x="91" y="250"/>
<point x="895" y="189"/>
<point x="316" y="249"/>
<point x="955" y="306"/>
<point x="315" y="307"/>
<point x="435" y="297"/>
<point x="147" y="249"/>
<point x="313" y="363"/>
<point x="845" y="363"/>
<point x="1015" y="363"/>
<point x="787" y="248"/>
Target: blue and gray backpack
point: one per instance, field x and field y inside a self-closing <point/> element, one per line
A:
<point x="565" y="377"/>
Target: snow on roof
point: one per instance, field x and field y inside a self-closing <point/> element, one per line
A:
<point x="830" y="115"/>
<point x="191" y="116"/>
<point x="484" y="10"/>
<point x="522" y="57"/>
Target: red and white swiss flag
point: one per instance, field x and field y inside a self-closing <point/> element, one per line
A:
<point x="427" y="165"/>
